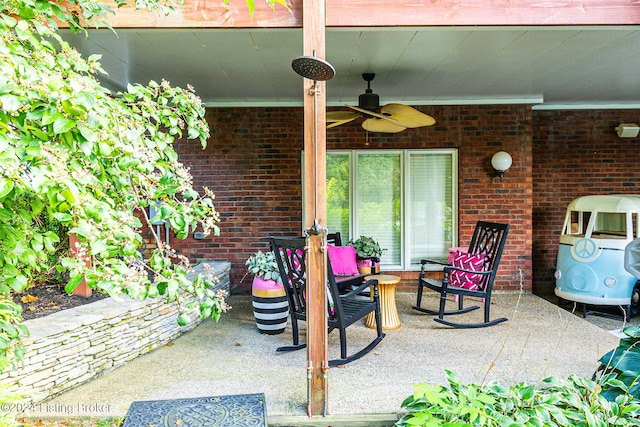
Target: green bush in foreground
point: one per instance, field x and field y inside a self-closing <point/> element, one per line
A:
<point x="620" y="367"/>
<point x="576" y="401"/>
<point x="75" y="158"/>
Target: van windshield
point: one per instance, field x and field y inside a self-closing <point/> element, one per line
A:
<point x="607" y="225"/>
<point x="610" y="225"/>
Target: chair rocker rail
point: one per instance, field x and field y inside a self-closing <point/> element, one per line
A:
<point x="344" y="309"/>
<point x="292" y="347"/>
<point x="488" y="240"/>
<point x="434" y="284"/>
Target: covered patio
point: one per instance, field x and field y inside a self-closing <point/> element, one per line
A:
<point x="232" y="357"/>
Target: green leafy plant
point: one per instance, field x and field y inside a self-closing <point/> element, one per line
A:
<point x="576" y="401"/>
<point x="367" y="247"/>
<point x="75" y="158"/>
<point x="11" y="330"/>
<point x="264" y="265"/>
<point x="619" y="369"/>
<point x="10" y="404"/>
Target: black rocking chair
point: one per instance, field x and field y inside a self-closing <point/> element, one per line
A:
<point x="343" y="310"/>
<point x="487" y="241"/>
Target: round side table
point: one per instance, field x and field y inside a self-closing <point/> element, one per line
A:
<point x="388" y="309"/>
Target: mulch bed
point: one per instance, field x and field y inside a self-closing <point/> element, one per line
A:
<point x="50" y="298"/>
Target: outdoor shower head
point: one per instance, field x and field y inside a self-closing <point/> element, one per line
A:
<point x="313" y="68"/>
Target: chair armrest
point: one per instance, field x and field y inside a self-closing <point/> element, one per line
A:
<point x="371" y="258"/>
<point x="363" y="286"/>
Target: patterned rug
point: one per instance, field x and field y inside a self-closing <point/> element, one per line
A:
<point x="220" y="411"/>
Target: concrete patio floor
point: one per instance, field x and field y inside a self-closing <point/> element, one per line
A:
<point x="232" y="357"/>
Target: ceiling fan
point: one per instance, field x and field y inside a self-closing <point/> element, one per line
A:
<point x="390" y="118"/>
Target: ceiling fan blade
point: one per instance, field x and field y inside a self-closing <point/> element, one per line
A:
<point x="339" y="116"/>
<point x="337" y="123"/>
<point x="407" y="116"/>
<point x="374" y="114"/>
<point x="381" y="125"/>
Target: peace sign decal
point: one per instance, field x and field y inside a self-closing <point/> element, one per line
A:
<point x="585" y="250"/>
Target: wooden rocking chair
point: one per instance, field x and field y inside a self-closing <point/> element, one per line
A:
<point x="343" y="310"/>
<point x="471" y="274"/>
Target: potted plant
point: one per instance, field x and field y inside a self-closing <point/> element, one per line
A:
<point x="270" y="305"/>
<point x="368" y="253"/>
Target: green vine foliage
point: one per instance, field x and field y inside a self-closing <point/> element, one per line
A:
<point x="272" y="3"/>
<point x="75" y="158"/>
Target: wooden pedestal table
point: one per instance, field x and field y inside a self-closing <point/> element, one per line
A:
<point x="388" y="309"/>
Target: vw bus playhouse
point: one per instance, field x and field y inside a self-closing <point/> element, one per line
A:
<point x="599" y="253"/>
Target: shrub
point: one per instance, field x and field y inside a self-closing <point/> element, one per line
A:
<point x="576" y="401"/>
<point x="75" y="158"/>
<point x="619" y="369"/>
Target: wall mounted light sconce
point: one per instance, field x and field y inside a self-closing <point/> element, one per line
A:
<point x="627" y="130"/>
<point x="501" y="162"/>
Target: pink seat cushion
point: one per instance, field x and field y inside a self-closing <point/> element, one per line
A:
<point x="343" y="259"/>
<point x="467" y="262"/>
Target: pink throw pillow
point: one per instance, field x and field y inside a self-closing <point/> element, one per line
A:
<point x="343" y="259"/>
<point x="467" y="262"/>
<point x="453" y="252"/>
<point x="296" y="259"/>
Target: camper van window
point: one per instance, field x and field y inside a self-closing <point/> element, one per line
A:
<point x="610" y="226"/>
<point x="578" y="223"/>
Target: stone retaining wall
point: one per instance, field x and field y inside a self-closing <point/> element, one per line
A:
<point x="73" y="346"/>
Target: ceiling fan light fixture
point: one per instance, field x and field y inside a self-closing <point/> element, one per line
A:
<point x="369" y="100"/>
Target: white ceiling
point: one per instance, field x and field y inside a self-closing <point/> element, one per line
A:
<point x="550" y="67"/>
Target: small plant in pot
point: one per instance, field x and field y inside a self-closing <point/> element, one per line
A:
<point x="368" y="252"/>
<point x="264" y="265"/>
<point x="270" y="305"/>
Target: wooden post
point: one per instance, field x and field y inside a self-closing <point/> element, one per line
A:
<point x="313" y="24"/>
<point x="82" y="289"/>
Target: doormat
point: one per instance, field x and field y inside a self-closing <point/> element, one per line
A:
<point x="220" y="411"/>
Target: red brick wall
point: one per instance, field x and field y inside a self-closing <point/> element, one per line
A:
<point x="252" y="164"/>
<point x="576" y="153"/>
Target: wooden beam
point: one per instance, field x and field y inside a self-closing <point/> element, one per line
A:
<point x="342" y="420"/>
<point x="315" y="209"/>
<point x="362" y="13"/>
<point x="376" y="13"/>
<point x="210" y="14"/>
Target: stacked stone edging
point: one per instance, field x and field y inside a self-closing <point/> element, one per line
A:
<point x="71" y="347"/>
